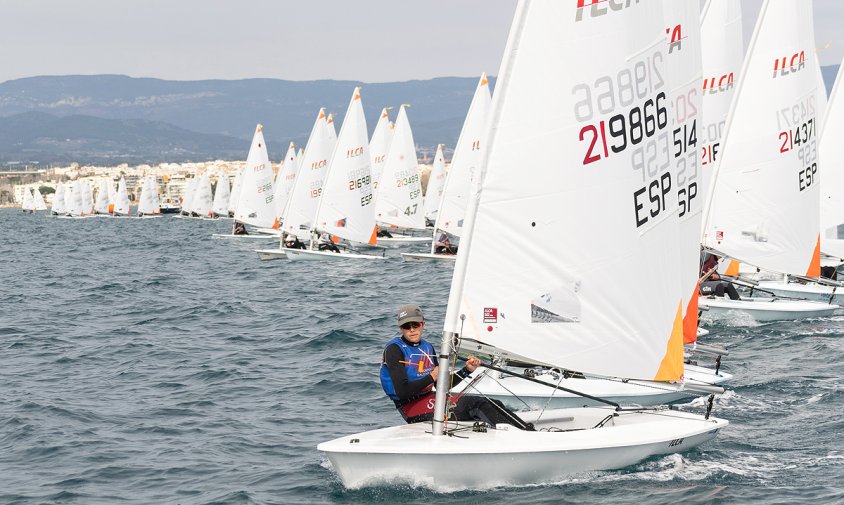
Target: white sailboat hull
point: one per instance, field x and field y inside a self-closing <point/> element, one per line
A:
<point x="269" y="231"/>
<point x="253" y="236"/>
<point x="271" y="254"/>
<point x="765" y="309"/>
<point x="517" y="393"/>
<point x="307" y="255"/>
<point x="814" y="292"/>
<point x="428" y="257"/>
<point x="403" y="240"/>
<point x="508" y="456"/>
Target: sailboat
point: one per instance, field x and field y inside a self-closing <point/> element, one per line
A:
<point x="436" y="183"/>
<point x="187" y="197"/>
<point x="202" y="199"/>
<point x="297" y="219"/>
<point x="284" y="180"/>
<point x="465" y="165"/>
<point x="345" y="208"/>
<point x="764" y="200"/>
<point x="549" y="304"/>
<point x="398" y="205"/>
<point x="221" y="197"/>
<point x="28" y="204"/>
<point x="379" y="145"/>
<point x="684" y="70"/>
<point x="148" y="202"/>
<point x="831" y="205"/>
<point x="255" y="199"/>
<point x="58" y="207"/>
<point x="38" y="200"/>
<point x="101" y="205"/>
<point x="121" y="200"/>
<point x="235" y="193"/>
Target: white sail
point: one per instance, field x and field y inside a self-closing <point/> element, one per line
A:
<point x="38" y="200"/>
<point x="28" y="203"/>
<point x="201" y="201"/>
<point x="592" y="206"/>
<point x="69" y="198"/>
<point x="156" y="199"/>
<point x="235" y="193"/>
<point x="683" y="61"/>
<point x="187" y="195"/>
<point x="831" y="153"/>
<point x="765" y="196"/>
<point x="722" y="57"/>
<point x="112" y="195"/>
<point x="255" y="202"/>
<point x="88" y="198"/>
<point x="146" y="202"/>
<point x="379" y="145"/>
<point x="346" y="208"/>
<point x="304" y="197"/>
<point x="331" y="131"/>
<point x="221" y="196"/>
<point x="465" y="164"/>
<point x="121" y="202"/>
<point x="284" y="180"/>
<point x="58" y="207"/>
<point x="436" y="183"/>
<point x="101" y="205"/>
<point x="399" y="199"/>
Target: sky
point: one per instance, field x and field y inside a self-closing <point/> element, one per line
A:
<point x="365" y="40"/>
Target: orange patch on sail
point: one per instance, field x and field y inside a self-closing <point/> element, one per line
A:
<point x="671" y="368"/>
<point x="690" y="320"/>
<point x="815" y="265"/>
<point x="373" y="239"/>
<point x="275" y="224"/>
<point x="732" y="269"/>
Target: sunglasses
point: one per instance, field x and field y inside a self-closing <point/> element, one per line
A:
<point x="411" y="325"/>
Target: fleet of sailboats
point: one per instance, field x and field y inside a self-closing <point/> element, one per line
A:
<point x="554" y="281"/>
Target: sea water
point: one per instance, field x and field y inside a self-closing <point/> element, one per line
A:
<point x="142" y="361"/>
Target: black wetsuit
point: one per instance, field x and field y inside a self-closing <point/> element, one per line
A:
<point x="468" y="407"/>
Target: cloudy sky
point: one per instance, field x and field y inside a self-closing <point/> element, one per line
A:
<point x="366" y="40"/>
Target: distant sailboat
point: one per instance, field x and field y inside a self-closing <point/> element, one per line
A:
<point x="379" y="145"/>
<point x="58" y="208"/>
<point x="101" y="206"/>
<point x="764" y="199"/>
<point x="221" y="196"/>
<point x="465" y="166"/>
<point x="121" y="201"/>
<point x="345" y="209"/>
<point x="28" y="205"/>
<point x="148" y="206"/>
<point x="255" y="199"/>
<point x="38" y="200"/>
<point x="399" y="203"/>
<point x="436" y="183"/>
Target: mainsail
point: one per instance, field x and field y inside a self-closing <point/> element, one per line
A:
<point x="304" y="197"/>
<point x="255" y="201"/>
<point x="436" y="183"/>
<point x="399" y="201"/>
<point x="346" y="207"/>
<point x="765" y="194"/>
<point x="579" y="292"/>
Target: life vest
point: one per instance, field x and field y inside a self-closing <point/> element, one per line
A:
<point x="419" y="360"/>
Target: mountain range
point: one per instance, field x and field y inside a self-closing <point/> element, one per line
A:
<point x="109" y="119"/>
<point x="115" y="119"/>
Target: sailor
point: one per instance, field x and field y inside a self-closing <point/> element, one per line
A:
<point x="711" y="283"/>
<point x="382" y="233"/>
<point x="239" y="229"/>
<point x="442" y="245"/>
<point x="293" y="242"/>
<point x="409" y="372"/>
<point x="326" y="244"/>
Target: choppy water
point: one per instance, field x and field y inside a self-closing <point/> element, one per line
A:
<point x="143" y="362"/>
